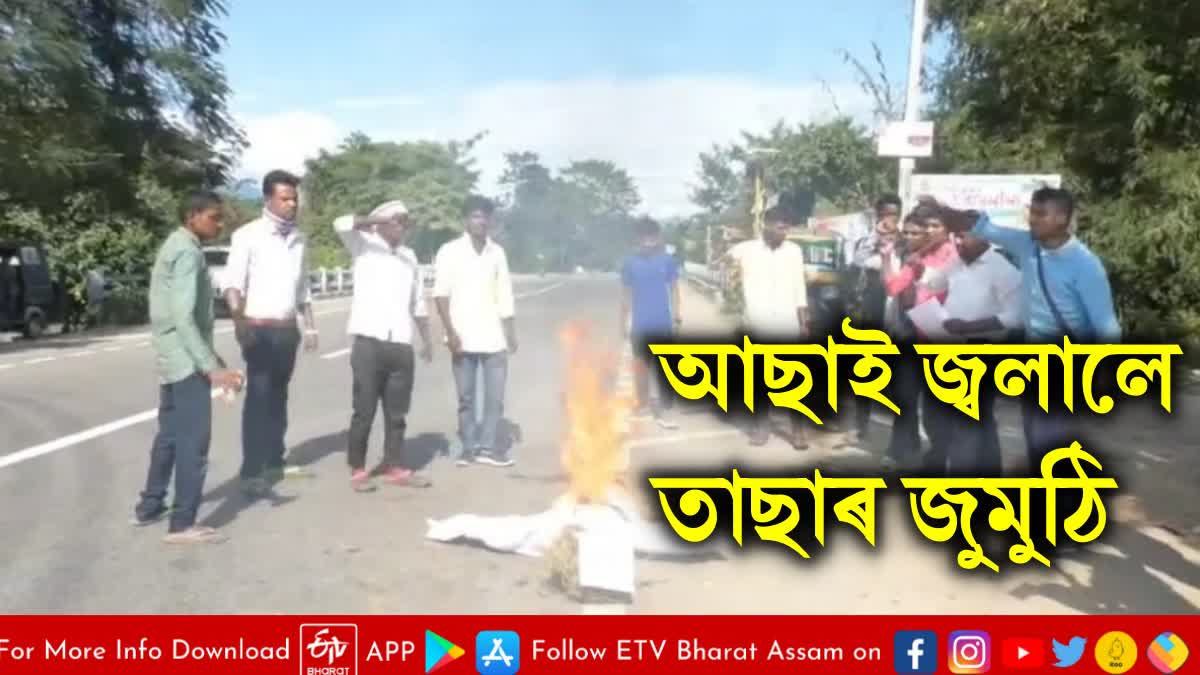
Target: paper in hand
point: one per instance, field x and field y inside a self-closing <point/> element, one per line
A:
<point x="929" y="318"/>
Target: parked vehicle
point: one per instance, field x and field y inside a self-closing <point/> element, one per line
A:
<point x="217" y="257"/>
<point x="29" y="297"/>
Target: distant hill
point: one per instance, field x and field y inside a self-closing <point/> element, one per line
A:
<point x="247" y="188"/>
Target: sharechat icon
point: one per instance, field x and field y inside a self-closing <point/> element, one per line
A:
<point x="1167" y="653"/>
<point x="1070" y="653"/>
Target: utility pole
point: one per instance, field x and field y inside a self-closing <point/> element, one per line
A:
<point x="912" y="100"/>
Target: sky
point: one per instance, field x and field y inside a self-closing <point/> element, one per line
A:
<point x="648" y="84"/>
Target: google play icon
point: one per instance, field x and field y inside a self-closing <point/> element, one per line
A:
<point x="439" y="651"/>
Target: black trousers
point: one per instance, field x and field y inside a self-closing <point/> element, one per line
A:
<point x="383" y="371"/>
<point x="180" y="447"/>
<point x="270" y="355"/>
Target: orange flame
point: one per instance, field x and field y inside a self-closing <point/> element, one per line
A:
<point x="593" y="454"/>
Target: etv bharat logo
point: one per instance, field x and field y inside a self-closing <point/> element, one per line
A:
<point x="328" y="649"/>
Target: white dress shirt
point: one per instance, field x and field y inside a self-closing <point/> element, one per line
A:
<point x="773" y="287"/>
<point x="387" y="286"/>
<point x="269" y="269"/>
<point x="479" y="288"/>
<point x="986" y="287"/>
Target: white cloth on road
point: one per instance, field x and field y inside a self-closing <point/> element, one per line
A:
<point x="269" y="269"/>
<point x="387" y="286"/>
<point x="773" y="287"/>
<point x="532" y="535"/>
<point x="479" y="288"/>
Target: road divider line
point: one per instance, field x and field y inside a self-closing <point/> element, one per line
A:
<point x="43" y="359"/>
<point x="147" y="415"/>
<point x="80" y="437"/>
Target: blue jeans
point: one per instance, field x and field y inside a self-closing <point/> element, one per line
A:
<point x="480" y="435"/>
<point x="270" y="355"/>
<point x="181" y="446"/>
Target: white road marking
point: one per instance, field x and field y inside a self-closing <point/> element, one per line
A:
<point x="125" y="340"/>
<point x="146" y="415"/>
<point x="335" y="354"/>
<point x="85" y="435"/>
<point x="1153" y="457"/>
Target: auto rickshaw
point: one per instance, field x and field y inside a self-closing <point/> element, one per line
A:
<point x="29" y="298"/>
<point x="824" y="274"/>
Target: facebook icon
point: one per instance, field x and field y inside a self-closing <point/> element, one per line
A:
<point x="916" y="651"/>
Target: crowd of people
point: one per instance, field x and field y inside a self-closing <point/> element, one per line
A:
<point x="991" y="284"/>
<point x="266" y="287"/>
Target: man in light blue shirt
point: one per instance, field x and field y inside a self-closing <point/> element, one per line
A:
<point x="1064" y="291"/>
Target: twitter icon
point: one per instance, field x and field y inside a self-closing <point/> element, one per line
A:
<point x="1070" y="653"/>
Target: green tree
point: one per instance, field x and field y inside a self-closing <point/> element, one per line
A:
<point x="433" y="179"/>
<point x="110" y="111"/>
<point x="1106" y="92"/>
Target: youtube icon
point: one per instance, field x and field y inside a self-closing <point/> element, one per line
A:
<point x="1018" y="653"/>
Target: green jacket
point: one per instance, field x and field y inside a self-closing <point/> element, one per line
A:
<point x="181" y="309"/>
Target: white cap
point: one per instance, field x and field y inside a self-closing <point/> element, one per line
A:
<point x="392" y="208"/>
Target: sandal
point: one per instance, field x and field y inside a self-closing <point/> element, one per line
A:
<point x="195" y="535"/>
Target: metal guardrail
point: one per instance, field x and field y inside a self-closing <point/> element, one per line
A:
<point x="711" y="280"/>
<point x="338" y="281"/>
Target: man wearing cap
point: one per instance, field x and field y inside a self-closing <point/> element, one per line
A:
<point x="386" y="307"/>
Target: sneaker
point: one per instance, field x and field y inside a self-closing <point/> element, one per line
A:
<point x="196" y="535"/>
<point x="488" y="459"/>
<point x="287" y="471"/>
<point x="255" y="488"/>
<point x="360" y="481"/>
<point x="142" y="521"/>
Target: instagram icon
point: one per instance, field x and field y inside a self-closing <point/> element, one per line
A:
<point x="970" y="652"/>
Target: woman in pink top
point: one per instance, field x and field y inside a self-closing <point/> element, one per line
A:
<point x="924" y="271"/>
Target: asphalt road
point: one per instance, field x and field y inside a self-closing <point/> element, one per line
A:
<point x="78" y="420"/>
<point x="78" y="416"/>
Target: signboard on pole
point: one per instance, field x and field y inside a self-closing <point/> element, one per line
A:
<point x="906" y="139"/>
<point x="1005" y="198"/>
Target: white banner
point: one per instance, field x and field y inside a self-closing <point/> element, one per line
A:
<point x="1005" y="198"/>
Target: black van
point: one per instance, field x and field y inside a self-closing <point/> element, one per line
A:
<point x="29" y="298"/>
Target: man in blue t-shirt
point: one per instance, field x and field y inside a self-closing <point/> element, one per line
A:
<point x="1065" y="292"/>
<point x="649" y="308"/>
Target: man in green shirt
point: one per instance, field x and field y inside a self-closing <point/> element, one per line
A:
<point x="181" y="321"/>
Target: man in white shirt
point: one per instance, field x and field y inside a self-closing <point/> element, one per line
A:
<point x="266" y="287"/>
<point x="386" y="307"/>
<point x="474" y="296"/>
<point x="983" y="305"/>
<point x="775" y="301"/>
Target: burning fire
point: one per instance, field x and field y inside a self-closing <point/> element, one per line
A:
<point x="593" y="456"/>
